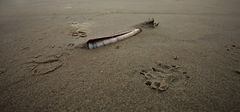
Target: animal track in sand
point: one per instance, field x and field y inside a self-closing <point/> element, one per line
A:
<point x="232" y="48"/>
<point x="45" y="65"/>
<point x="164" y="76"/>
<point x="233" y="51"/>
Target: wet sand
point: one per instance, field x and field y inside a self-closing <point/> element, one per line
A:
<point x="42" y="67"/>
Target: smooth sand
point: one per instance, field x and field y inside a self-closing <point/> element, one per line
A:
<point x="204" y="35"/>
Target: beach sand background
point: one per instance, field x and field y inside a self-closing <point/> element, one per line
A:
<point x="42" y="67"/>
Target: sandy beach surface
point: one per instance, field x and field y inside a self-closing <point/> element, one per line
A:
<point x="196" y="47"/>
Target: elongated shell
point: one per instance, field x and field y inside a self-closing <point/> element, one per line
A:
<point x="95" y="43"/>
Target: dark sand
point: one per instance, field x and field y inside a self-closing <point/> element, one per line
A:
<point x="200" y="36"/>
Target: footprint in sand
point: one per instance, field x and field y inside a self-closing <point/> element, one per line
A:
<point x="232" y="48"/>
<point x="80" y="29"/>
<point x="164" y="76"/>
<point x="45" y="65"/>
